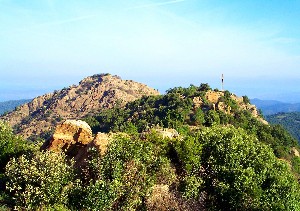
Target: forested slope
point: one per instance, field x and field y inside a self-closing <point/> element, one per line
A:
<point x="290" y="121"/>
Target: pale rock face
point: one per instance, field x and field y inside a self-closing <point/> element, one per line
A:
<point x="167" y="132"/>
<point x="70" y="136"/>
<point x="75" y="138"/>
<point x="89" y="97"/>
<point x="295" y="152"/>
<point x="197" y="101"/>
<point x="101" y="142"/>
<point x="213" y="96"/>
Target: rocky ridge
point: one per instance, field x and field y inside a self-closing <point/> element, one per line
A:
<point x="215" y="98"/>
<point x="93" y="94"/>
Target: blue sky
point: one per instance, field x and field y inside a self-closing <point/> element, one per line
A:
<point x="51" y="44"/>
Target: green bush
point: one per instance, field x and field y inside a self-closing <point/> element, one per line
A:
<point x="43" y="180"/>
<point x="11" y="145"/>
<point x="296" y="165"/>
<point x="124" y="176"/>
<point x="243" y="174"/>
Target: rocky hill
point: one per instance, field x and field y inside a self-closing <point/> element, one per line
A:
<point x="92" y="95"/>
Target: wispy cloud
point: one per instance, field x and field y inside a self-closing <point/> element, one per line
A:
<point x="31" y="28"/>
<point x="69" y="20"/>
<point x="155" y="4"/>
<point x="285" y="40"/>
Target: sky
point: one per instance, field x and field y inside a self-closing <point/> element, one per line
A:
<point x="46" y="45"/>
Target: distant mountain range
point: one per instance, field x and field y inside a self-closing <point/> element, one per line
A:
<point x="270" y="107"/>
<point x="8" y="106"/>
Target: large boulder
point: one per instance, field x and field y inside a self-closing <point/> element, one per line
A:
<point x="70" y="136"/>
<point x="75" y="138"/>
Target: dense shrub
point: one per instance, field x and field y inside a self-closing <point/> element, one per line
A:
<point x="43" y="180"/>
<point x="241" y="173"/>
<point x="124" y="176"/>
<point x="10" y="145"/>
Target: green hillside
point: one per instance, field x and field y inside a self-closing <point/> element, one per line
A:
<point x="290" y="121"/>
<point x="224" y="157"/>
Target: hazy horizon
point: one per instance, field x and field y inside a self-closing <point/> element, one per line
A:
<point x="50" y="44"/>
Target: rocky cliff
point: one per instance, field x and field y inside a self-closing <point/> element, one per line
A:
<point x="89" y="97"/>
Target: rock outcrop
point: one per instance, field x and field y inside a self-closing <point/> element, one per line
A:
<point x="75" y="138"/>
<point x="167" y="132"/>
<point x="89" y="97"/>
<point x="70" y="136"/>
<point x="215" y="98"/>
<point x="295" y="152"/>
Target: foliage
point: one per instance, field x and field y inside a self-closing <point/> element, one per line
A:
<point x="172" y="110"/>
<point x="223" y="159"/>
<point x="289" y="121"/>
<point x="246" y="100"/>
<point x="123" y="177"/>
<point x="176" y="109"/>
<point x="10" y="145"/>
<point x="239" y="173"/>
<point x="296" y="166"/>
<point x="43" y="180"/>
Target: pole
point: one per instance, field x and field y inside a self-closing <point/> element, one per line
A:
<point x="222" y="82"/>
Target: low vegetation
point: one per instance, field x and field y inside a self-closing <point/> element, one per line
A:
<point x="290" y="121"/>
<point x="221" y="160"/>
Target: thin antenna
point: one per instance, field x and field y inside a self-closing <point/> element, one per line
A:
<point x="222" y="82"/>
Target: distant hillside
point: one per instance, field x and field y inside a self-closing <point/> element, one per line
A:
<point x="290" y="121"/>
<point x="269" y="107"/>
<point x="92" y="95"/>
<point x="10" y="105"/>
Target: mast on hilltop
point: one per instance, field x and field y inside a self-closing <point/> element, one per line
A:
<point x="222" y="79"/>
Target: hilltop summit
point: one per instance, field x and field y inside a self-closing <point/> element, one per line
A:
<point x="90" y="96"/>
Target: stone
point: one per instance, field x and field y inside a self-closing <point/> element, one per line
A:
<point x="167" y="132"/>
<point x="295" y="152"/>
<point x="70" y="136"/>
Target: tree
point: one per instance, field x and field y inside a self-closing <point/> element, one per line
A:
<point x="246" y="99"/>
<point x="198" y="117"/>
<point x="10" y="145"/>
<point x="204" y="87"/>
<point x="211" y="118"/>
<point x="244" y="174"/>
<point x="43" y="180"/>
